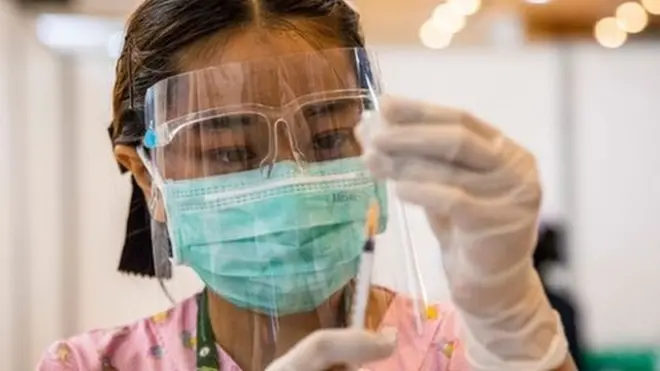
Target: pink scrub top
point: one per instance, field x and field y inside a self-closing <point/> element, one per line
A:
<point x="166" y="342"/>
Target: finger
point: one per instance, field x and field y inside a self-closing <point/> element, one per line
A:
<point x="425" y="170"/>
<point x="401" y="111"/>
<point x="465" y="209"/>
<point x="356" y="347"/>
<point x="418" y="169"/>
<point x="441" y="199"/>
<point x="408" y="168"/>
<point x="451" y="143"/>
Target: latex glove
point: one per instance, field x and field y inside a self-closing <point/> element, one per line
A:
<point x="324" y="349"/>
<point x="481" y="195"/>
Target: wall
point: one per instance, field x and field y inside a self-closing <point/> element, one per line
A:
<point x="6" y="312"/>
<point x="76" y="202"/>
<point x="616" y="250"/>
<point x="31" y="167"/>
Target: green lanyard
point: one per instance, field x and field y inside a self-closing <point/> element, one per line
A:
<point x="207" y="352"/>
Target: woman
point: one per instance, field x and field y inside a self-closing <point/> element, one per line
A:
<point x="247" y="159"/>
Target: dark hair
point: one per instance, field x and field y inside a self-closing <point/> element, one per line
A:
<point x="156" y="34"/>
<point x="160" y="29"/>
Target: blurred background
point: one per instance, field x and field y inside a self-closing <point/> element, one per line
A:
<point x="575" y="81"/>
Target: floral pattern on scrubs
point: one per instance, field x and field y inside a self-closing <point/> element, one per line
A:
<point x="167" y="342"/>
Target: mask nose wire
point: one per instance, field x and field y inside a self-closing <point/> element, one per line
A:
<point x="297" y="154"/>
<point x="267" y="163"/>
<point x="273" y="148"/>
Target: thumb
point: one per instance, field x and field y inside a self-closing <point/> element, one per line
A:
<point x="356" y="347"/>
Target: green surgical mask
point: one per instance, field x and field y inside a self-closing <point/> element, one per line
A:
<point x="278" y="246"/>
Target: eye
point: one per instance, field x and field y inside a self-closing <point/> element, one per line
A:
<point x="229" y="155"/>
<point x="332" y="140"/>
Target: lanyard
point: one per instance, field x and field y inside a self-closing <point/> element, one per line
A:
<point x="207" y="352"/>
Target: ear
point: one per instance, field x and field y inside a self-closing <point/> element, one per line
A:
<point x="127" y="156"/>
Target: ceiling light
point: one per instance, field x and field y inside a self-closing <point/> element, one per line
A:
<point x="465" y="7"/>
<point x="652" y="6"/>
<point x="434" y="38"/>
<point x="446" y="19"/>
<point x="631" y="17"/>
<point x="608" y="34"/>
<point x="77" y="33"/>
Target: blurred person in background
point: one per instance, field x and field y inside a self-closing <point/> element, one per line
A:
<point x="246" y="127"/>
<point x="548" y="260"/>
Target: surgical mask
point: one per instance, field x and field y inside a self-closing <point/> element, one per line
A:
<point x="280" y="247"/>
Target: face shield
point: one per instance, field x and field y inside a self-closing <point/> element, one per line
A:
<point x="258" y="185"/>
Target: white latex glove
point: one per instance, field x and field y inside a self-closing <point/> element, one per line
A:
<point x="324" y="349"/>
<point x="481" y="194"/>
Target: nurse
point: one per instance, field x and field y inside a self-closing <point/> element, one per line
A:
<point x="248" y="128"/>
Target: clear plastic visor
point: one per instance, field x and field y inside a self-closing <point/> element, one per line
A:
<point x="245" y="116"/>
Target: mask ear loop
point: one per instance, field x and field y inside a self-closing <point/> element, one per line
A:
<point x="155" y="199"/>
<point x="153" y="174"/>
<point x="142" y="154"/>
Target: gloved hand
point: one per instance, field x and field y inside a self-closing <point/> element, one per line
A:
<point x="324" y="349"/>
<point x="481" y="195"/>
